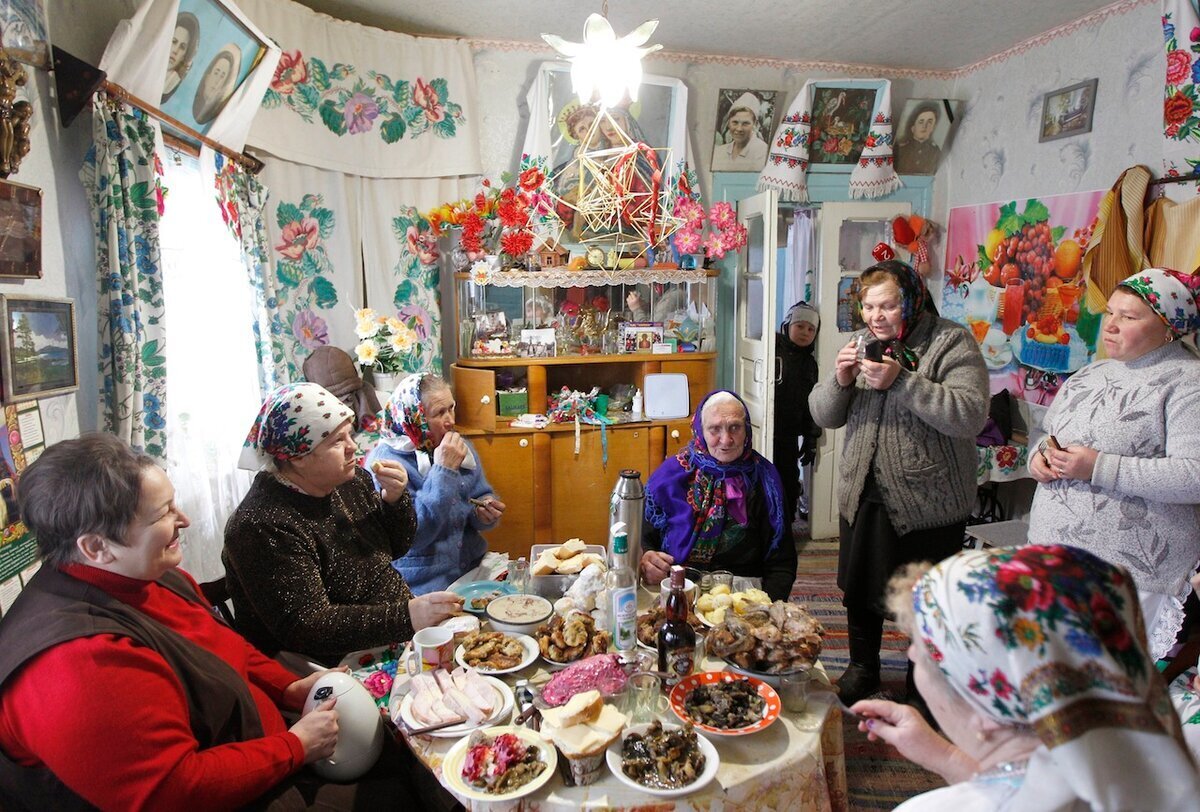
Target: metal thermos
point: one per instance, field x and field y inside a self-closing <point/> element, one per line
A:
<point x="627" y="505"/>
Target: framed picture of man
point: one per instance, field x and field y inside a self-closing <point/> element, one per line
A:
<point x="926" y="126"/>
<point x="745" y="122"/>
<point x="212" y="52"/>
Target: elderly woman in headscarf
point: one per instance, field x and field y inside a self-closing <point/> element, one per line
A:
<point x="906" y="478"/>
<point x="334" y="369"/>
<point x="453" y="499"/>
<point x="1125" y="480"/>
<point x="1033" y="661"/>
<point x="718" y="504"/>
<point x="308" y="553"/>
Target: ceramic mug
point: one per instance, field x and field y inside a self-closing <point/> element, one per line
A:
<point x="432" y="648"/>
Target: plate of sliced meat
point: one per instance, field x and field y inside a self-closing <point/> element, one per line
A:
<point x="439" y="696"/>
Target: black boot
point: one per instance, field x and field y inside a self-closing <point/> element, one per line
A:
<point x="857" y="682"/>
<point x="864" y="632"/>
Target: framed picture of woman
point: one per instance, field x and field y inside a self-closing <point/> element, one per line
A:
<point x="745" y="122"/>
<point x="213" y="50"/>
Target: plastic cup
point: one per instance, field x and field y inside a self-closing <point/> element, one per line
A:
<point x="518" y="575"/>
<point x="793" y="691"/>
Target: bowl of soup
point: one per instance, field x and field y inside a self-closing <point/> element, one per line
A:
<point x="518" y="614"/>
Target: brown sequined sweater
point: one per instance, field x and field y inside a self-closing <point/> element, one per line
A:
<point x="314" y="574"/>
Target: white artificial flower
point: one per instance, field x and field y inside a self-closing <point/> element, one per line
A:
<point x="367" y="353"/>
<point x="365" y="314"/>
<point x="367" y="329"/>
<point x="402" y="340"/>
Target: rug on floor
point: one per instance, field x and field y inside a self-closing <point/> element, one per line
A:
<point x="877" y="776"/>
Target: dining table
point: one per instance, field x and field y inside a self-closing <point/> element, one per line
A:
<point x="795" y="763"/>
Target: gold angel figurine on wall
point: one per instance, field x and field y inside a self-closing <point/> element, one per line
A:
<point x="14" y="116"/>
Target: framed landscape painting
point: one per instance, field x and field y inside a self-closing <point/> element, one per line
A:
<point x="40" y="356"/>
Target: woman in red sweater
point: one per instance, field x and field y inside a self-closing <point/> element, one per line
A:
<point x="119" y="688"/>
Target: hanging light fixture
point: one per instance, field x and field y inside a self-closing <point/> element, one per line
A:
<point x="603" y="67"/>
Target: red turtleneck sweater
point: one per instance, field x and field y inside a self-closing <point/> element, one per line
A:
<point x="109" y="716"/>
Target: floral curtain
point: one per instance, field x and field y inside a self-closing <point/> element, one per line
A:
<point x="1181" y="96"/>
<point x="243" y="202"/>
<point x="121" y="178"/>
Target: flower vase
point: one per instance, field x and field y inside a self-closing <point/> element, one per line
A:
<point x="385" y="381"/>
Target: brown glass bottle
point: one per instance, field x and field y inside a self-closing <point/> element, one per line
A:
<point x="676" y="637"/>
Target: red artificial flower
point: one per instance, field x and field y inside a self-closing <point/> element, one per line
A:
<point x="515" y="243"/>
<point x="472" y="223"/>
<point x="512" y="213"/>
<point x="1177" y="109"/>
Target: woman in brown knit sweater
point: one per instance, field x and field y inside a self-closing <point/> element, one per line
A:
<point x="308" y="553"/>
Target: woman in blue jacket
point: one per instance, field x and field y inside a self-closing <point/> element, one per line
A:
<point x="453" y="498"/>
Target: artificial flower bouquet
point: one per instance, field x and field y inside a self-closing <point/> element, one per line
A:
<point x="385" y="341"/>
<point x="724" y="234"/>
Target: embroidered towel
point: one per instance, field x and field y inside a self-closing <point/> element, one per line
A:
<point x="787" y="165"/>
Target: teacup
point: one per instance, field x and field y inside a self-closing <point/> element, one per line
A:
<point x="689" y="591"/>
<point x="994" y="343"/>
<point x="432" y="648"/>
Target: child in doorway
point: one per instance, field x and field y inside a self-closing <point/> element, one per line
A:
<point x="796" y="434"/>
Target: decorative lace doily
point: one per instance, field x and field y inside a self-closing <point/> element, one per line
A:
<point x="562" y="278"/>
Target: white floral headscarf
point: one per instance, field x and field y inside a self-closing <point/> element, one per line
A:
<point x="293" y="420"/>
<point x="1052" y="637"/>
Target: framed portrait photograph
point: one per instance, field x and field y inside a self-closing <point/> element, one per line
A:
<point x="40" y="355"/>
<point x="538" y="342"/>
<point x="745" y="123"/>
<point x="20" y="231"/>
<point x="1068" y="111"/>
<point x="213" y="50"/>
<point x="841" y="120"/>
<point x="23" y="31"/>
<point x="584" y="135"/>
<point x="640" y="336"/>
<point x="924" y="132"/>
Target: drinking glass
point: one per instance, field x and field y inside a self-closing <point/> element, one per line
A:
<point x="706" y="583"/>
<point x="701" y="653"/>
<point x="646" y="689"/>
<point x="722" y="577"/>
<point x="518" y="575"/>
<point x="793" y="691"/>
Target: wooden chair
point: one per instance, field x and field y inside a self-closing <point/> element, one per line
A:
<point x="217" y="593"/>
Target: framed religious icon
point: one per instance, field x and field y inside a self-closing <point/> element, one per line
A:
<point x="926" y="126"/>
<point x="637" y="146"/>
<point x="40" y="356"/>
<point x="1068" y="111"/>
<point x="20" y="231"/>
<point x="745" y="124"/>
<point x="23" y="31"/>
<point x="213" y="50"/>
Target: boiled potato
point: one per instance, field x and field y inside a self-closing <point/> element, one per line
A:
<point x="716" y="616"/>
<point x="705" y="604"/>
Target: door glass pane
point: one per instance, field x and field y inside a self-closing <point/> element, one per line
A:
<point x="752" y="284"/>
<point x="753" y="291"/>
<point x="856" y="240"/>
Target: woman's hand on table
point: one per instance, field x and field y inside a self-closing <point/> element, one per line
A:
<point x="491" y="510"/>
<point x="655" y="566"/>
<point x="847" y="367"/>
<point x="432" y="608"/>
<point x="903" y="727"/>
<point x="317" y="731"/>
<point x="1073" y="462"/>
<point x="1039" y="466"/>
<point x="392" y="478"/>
<point x="295" y="694"/>
<point x="880" y="375"/>
<point x="451" y="451"/>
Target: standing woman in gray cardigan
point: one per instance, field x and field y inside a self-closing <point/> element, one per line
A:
<point x="1126" y="484"/>
<point x="907" y="474"/>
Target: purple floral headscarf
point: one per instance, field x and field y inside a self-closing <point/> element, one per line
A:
<point x="404" y="416"/>
<point x="689" y="496"/>
<point x="293" y="420"/>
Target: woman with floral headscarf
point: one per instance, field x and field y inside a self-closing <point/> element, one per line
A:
<point x="718" y="504"/>
<point x="1033" y="661"/>
<point x="1126" y="482"/>
<point x="906" y="478"/>
<point x="308" y="553"/>
<point x="453" y="499"/>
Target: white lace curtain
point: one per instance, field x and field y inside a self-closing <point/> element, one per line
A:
<point x="212" y="367"/>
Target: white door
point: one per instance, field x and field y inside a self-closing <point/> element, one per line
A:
<point x="848" y="233"/>
<point x="754" y="372"/>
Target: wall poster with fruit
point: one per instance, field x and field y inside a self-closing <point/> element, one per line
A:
<point x="1014" y="277"/>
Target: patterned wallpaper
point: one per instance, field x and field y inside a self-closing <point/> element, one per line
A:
<point x="996" y="154"/>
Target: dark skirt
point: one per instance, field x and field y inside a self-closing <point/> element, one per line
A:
<point x="871" y="551"/>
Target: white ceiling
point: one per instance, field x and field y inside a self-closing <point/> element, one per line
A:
<point x="934" y="35"/>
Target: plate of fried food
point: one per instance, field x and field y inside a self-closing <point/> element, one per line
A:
<point x="478" y="594"/>
<point x="719" y="703"/>
<point x="499" y="764"/>
<point x="767" y="642"/>
<point x="663" y="759"/>
<point x="650" y="621"/>
<point x="496" y="652"/>
<point x="713" y="607"/>
<point x="570" y="637"/>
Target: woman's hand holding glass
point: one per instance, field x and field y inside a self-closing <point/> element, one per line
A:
<point x="879" y="375"/>
<point x="432" y="608"/>
<point x="451" y="451"/>
<point x="392" y="478"/>
<point x="847" y="364"/>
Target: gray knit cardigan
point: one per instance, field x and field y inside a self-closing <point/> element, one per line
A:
<point x="918" y="435"/>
